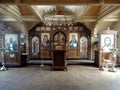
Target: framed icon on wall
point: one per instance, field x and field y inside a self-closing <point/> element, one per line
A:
<point x="11" y="42"/>
<point x="107" y="42"/>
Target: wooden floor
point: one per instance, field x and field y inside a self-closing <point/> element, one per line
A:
<point x="78" y="77"/>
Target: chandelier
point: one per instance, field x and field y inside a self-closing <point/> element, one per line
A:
<point x="59" y="15"/>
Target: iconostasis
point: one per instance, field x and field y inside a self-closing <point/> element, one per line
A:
<point x="74" y="38"/>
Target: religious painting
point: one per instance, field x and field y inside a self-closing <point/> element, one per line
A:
<point x="54" y="28"/>
<point x="37" y="28"/>
<point x="48" y="28"/>
<point x="73" y="40"/>
<point x="70" y="28"/>
<point x="58" y="47"/>
<point x="56" y="37"/>
<point x="107" y="42"/>
<point x="64" y="28"/>
<point x="76" y="28"/>
<point x="45" y="40"/>
<point x="35" y="45"/>
<point x="59" y="27"/>
<point x="59" y="38"/>
<point x="62" y="37"/>
<point x="42" y="28"/>
<point x="80" y="28"/>
<point x="11" y="42"/>
<point x="83" y="46"/>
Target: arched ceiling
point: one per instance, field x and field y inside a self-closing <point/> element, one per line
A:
<point x="24" y="14"/>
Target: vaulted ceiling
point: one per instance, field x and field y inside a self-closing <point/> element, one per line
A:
<point x="24" y="14"/>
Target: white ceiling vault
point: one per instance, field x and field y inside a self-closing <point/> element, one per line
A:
<point x="96" y="15"/>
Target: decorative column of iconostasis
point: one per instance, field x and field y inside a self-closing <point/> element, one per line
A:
<point x="108" y="41"/>
<point x="12" y="44"/>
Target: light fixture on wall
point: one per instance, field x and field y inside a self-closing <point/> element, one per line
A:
<point x="59" y="15"/>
